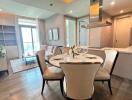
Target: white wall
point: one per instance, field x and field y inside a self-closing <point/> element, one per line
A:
<point x="41" y="31"/>
<point x="56" y="21"/>
<point x="101" y="37"/>
<point x="107" y="36"/>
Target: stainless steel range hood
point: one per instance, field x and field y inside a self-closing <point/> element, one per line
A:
<point x="97" y="17"/>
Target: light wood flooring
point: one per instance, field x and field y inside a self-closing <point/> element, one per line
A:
<point x="26" y="85"/>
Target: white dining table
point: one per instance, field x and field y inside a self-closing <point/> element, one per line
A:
<point x="80" y="58"/>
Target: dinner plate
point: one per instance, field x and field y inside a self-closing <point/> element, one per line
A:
<point x="57" y="58"/>
<point x="91" y="57"/>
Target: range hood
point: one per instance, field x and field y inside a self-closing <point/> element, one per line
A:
<point x="97" y="17"/>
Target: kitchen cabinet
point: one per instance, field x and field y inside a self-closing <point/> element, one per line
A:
<point x="3" y="64"/>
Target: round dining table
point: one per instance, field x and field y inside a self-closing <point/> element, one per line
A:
<point x="79" y="58"/>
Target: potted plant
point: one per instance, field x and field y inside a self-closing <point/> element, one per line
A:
<point x="2" y="51"/>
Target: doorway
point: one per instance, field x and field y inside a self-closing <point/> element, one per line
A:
<point x="70" y="32"/>
<point x="30" y="40"/>
<point x="83" y="34"/>
<point x="123" y="32"/>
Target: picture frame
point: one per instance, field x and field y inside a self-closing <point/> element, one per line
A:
<point x="50" y="34"/>
<point x="55" y="34"/>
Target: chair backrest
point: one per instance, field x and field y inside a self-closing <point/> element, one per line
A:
<point x="41" y="60"/>
<point x="110" y="60"/>
<point x="97" y="52"/>
<point x="79" y="79"/>
<point x="65" y="50"/>
<point x="57" y="50"/>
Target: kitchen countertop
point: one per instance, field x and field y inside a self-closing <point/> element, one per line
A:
<point x="122" y="50"/>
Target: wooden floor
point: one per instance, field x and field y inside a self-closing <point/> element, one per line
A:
<point x="26" y="85"/>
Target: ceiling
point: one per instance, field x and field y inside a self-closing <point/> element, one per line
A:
<point x="42" y="8"/>
<point x="125" y="5"/>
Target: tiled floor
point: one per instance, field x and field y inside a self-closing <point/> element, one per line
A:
<point x="26" y="85"/>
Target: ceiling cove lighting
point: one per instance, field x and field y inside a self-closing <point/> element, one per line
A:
<point x="112" y="3"/>
<point x="68" y="1"/>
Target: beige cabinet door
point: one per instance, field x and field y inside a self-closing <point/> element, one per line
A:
<point x="3" y="64"/>
<point x="123" y="30"/>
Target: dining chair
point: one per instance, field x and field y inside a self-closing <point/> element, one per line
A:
<point x="65" y="50"/>
<point x="49" y="73"/>
<point x="78" y="80"/>
<point x="105" y="72"/>
<point x="97" y="52"/>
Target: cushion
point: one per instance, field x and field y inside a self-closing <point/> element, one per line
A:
<point x="102" y="74"/>
<point x="53" y="73"/>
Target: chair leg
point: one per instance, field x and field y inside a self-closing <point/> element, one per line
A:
<point x="43" y="86"/>
<point x="61" y="86"/>
<point x="102" y="82"/>
<point x="90" y="99"/>
<point x="46" y="81"/>
<point x="109" y="84"/>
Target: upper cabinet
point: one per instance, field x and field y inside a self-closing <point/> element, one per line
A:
<point x="7" y="35"/>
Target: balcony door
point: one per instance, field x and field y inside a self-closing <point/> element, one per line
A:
<point x="30" y="40"/>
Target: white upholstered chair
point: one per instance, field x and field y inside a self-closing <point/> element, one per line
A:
<point x="97" y="52"/>
<point x="105" y="72"/>
<point x="49" y="73"/>
<point x="79" y="78"/>
<point x="65" y="50"/>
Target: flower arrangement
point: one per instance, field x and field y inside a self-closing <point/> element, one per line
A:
<point x="2" y="51"/>
<point x="73" y="51"/>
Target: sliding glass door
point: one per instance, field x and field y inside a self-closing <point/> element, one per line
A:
<point x="70" y="32"/>
<point x="30" y="40"/>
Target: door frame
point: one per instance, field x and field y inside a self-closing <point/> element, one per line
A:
<point x="21" y="38"/>
<point x="115" y="28"/>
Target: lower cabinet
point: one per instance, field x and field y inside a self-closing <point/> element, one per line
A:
<point x="3" y="64"/>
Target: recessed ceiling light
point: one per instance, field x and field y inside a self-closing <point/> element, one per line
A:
<point x="112" y="3"/>
<point x="121" y="11"/>
<point x="70" y="12"/>
<point x="0" y="9"/>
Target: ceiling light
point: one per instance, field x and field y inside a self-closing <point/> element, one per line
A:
<point x="0" y="9"/>
<point x="121" y="11"/>
<point x="70" y="12"/>
<point x="112" y="3"/>
<point x="68" y="1"/>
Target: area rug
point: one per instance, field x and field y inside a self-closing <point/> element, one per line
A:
<point x="19" y="65"/>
